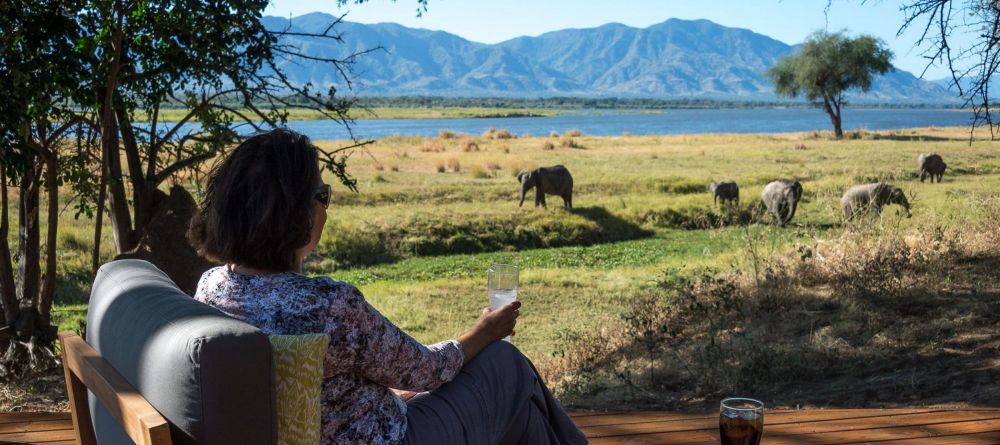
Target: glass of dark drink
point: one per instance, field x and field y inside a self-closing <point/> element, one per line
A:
<point x="741" y="421"/>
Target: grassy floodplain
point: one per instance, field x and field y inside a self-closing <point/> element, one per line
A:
<point x="433" y="213"/>
<point x="656" y="183"/>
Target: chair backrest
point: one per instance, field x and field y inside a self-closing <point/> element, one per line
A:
<point x="208" y="375"/>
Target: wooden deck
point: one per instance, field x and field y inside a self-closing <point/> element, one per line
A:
<point x="809" y="427"/>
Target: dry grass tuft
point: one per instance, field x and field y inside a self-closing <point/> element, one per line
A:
<point x="572" y="133"/>
<point x="569" y="142"/>
<point x="432" y="146"/>
<point x="494" y="133"/>
<point x="445" y="134"/>
<point x="548" y="146"/>
<point x="468" y="145"/>
<point x="453" y="164"/>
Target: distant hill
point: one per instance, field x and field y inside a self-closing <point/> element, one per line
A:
<point x="675" y="59"/>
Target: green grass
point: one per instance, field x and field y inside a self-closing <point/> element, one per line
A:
<point x="418" y="242"/>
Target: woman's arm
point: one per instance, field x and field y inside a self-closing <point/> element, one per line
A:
<point x="376" y="348"/>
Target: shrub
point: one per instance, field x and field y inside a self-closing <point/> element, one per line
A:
<point x="554" y="134"/>
<point x="445" y="134"/>
<point x="548" y="146"/>
<point x="505" y="149"/>
<point x="626" y="134"/>
<point x="394" y="168"/>
<point x="432" y="146"/>
<point x="493" y="165"/>
<point x="801" y="146"/>
<point x="572" y="133"/>
<point x="468" y="145"/>
<point x="440" y="167"/>
<point x="349" y="246"/>
<point x="683" y="186"/>
<point x="453" y="164"/>
<point x="480" y="173"/>
<point x="379" y="167"/>
<point x="494" y="133"/>
<point x="380" y="178"/>
<point x="569" y="142"/>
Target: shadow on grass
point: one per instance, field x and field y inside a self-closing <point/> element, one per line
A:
<point x="799" y="345"/>
<point x="612" y="227"/>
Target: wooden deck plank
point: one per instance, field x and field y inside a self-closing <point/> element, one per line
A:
<point x="806" y="427"/>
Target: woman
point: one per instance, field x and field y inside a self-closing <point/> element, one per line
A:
<point x="263" y="213"/>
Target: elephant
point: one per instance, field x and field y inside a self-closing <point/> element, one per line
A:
<point x="726" y="191"/>
<point x="861" y="198"/>
<point x="554" y="180"/>
<point x="781" y="199"/>
<point x="931" y="164"/>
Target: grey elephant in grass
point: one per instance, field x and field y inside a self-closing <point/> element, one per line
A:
<point x="554" y="180"/>
<point x="781" y="199"/>
<point x="872" y="197"/>
<point x="931" y="164"/>
<point x="726" y="191"/>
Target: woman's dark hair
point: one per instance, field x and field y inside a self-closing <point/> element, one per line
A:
<point x="258" y="207"/>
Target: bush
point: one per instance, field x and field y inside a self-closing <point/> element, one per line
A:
<point x="572" y="133"/>
<point x="468" y="145"/>
<point x="494" y="133"/>
<point x="453" y="164"/>
<point x="432" y="146"/>
<point x="554" y="134"/>
<point x="683" y="186"/>
<point x="348" y="246"/>
<point x="569" y="142"/>
<point x="440" y="167"/>
<point x="434" y="234"/>
<point x="480" y="173"/>
<point x="445" y="134"/>
<point x="548" y="146"/>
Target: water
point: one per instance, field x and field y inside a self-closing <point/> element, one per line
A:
<point x="501" y="297"/>
<point x="613" y="123"/>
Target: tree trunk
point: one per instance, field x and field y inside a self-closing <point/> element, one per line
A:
<point x="11" y="308"/>
<point x="832" y="109"/>
<point x="28" y="271"/>
<point x="52" y="219"/>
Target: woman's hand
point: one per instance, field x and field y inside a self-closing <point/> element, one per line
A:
<point x="500" y="323"/>
<point x="492" y="326"/>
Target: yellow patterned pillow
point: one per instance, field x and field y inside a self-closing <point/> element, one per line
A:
<point x="298" y="379"/>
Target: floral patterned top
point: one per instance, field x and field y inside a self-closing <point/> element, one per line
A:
<point x="367" y="354"/>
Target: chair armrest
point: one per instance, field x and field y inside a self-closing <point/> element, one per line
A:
<point x="86" y="369"/>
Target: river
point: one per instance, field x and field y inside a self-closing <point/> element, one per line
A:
<point x="603" y="123"/>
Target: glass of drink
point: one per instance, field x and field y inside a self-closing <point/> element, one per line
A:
<point x="741" y="421"/>
<point x="501" y="282"/>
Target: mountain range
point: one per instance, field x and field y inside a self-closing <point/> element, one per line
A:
<point x="675" y="59"/>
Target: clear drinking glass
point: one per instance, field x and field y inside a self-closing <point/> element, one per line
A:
<point x="501" y="283"/>
<point x="741" y="421"/>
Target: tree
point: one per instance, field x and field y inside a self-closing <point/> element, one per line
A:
<point x="39" y="91"/>
<point x="219" y="63"/>
<point x="972" y="63"/>
<point x="826" y="67"/>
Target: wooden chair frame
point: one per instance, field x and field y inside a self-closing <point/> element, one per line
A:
<point x="86" y="369"/>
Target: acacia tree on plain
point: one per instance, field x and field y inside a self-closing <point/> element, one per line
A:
<point x="828" y="66"/>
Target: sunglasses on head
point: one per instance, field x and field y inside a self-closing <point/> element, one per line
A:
<point x="323" y="194"/>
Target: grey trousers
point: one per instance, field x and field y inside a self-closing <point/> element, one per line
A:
<point x="497" y="399"/>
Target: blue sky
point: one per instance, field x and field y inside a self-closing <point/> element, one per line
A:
<point x="491" y="21"/>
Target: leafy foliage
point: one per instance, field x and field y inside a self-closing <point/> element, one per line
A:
<point x="827" y="66"/>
